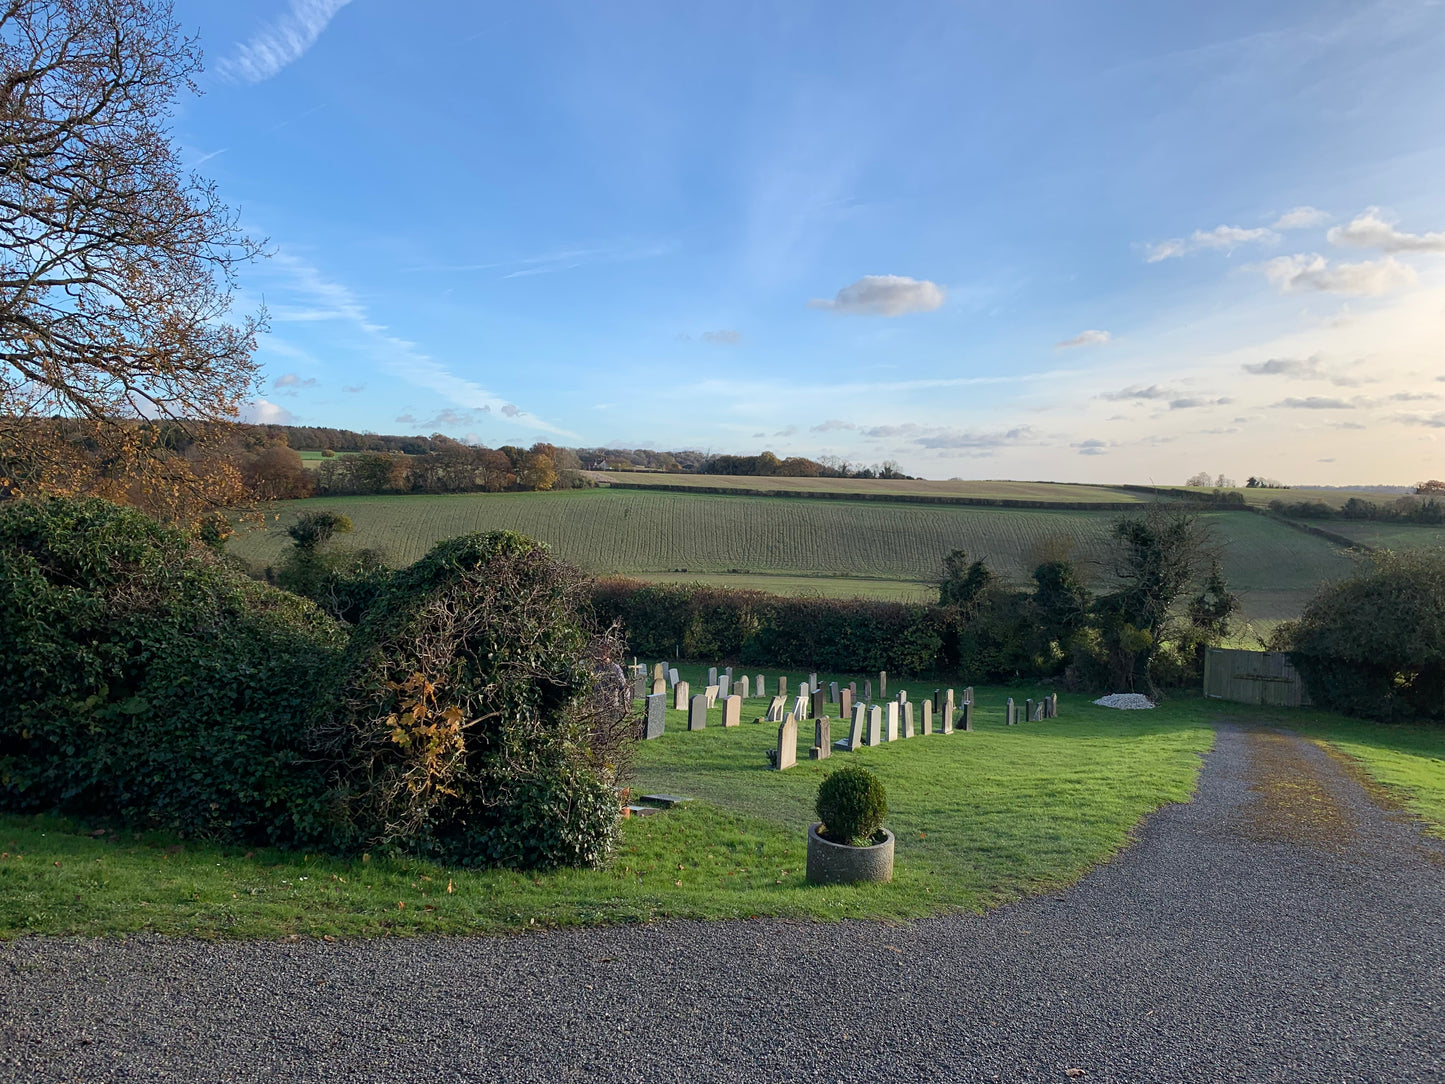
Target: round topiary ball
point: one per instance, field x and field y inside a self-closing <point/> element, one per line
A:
<point x="851" y="804"/>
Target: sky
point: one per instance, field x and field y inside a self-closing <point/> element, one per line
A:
<point x="1108" y="242"/>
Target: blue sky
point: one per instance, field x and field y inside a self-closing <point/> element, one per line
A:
<point x="1080" y="242"/>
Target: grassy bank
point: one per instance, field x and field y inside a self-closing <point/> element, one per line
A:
<point x="979" y="818"/>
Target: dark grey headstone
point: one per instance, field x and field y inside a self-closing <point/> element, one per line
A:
<point x="697" y="712"/>
<point x="656" y="718"/>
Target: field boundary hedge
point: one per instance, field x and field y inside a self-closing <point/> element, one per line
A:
<point x="886" y="498"/>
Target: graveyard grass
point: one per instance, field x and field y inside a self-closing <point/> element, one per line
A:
<point x="980" y="819"/>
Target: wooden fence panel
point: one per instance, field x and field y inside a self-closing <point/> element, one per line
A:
<point x="1253" y="677"/>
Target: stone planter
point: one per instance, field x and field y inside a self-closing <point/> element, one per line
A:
<point x="839" y="864"/>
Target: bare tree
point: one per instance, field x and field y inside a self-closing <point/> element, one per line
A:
<point x="116" y="265"/>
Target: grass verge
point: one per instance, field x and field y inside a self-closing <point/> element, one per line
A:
<point x="980" y="818"/>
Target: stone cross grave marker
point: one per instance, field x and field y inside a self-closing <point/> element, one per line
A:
<point x="697" y="712"/>
<point x="907" y="719"/>
<point x="775" y="710"/>
<point x="732" y="711"/>
<point x="680" y="693"/>
<point x="656" y="719"/>
<point x="875" y="724"/>
<point x="787" y="754"/>
<point x="892" y="720"/>
<point x="822" y="740"/>
<point x="711" y="693"/>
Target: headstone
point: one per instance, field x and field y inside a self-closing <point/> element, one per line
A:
<point x="1029" y="710"/>
<point x="732" y="711"/>
<point x="965" y="719"/>
<point x="892" y="720"/>
<point x="1053" y="705"/>
<point x="925" y="725"/>
<point x="659" y="672"/>
<point x="639" y="683"/>
<point x="1008" y="713"/>
<point x="968" y="695"/>
<point x="875" y="724"/>
<point x="680" y="693"/>
<point x="833" y="692"/>
<point x="672" y="677"/>
<point x="846" y="699"/>
<point x="787" y="754"/>
<point x="948" y="710"/>
<point x="724" y="687"/>
<point x="882" y="684"/>
<point x="822" y="740"/>
<point x="745" y="687"/>
<point x="729" y="673"/>
<point x="868" y="690"/>
<point x="762" y="687"/>
<point x="903" y="696"/>
<point x="800" y="706"/>
<point x="697" y="712"/>
<point x="853" y="688"/>
<point x="775" y="710"/>
<point x="659" y="685"/>
<point x="711" y="693"/>
<point x="812" y="683"/>
<point x="782" y="686"/>
<point x="907" y="719"/>
<point x="819" y="703"/>
<point x="855" y="732"/>
<point x="656" y="718"/>
<point x="712" y="675"/>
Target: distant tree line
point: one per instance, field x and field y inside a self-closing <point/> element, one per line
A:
<point x="1404" y="509"/>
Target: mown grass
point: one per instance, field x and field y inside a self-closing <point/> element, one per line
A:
<point x="979" y="818"/>
<point x="867" y="548"/>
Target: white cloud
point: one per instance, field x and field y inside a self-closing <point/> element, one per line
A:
<point x="1092" y="337"/>
<point x="1369" y="278"/>
<point x="1300" y="218"/>
<point x="261" y="412"/>
<point x="1227" y="238"/>
<point x="291" y="380"/>
<point x="1284" y="367"/>
<point x="1135" y="392"/>
<point x="1373" y="230"/>
<point x="884" y="295"/>
<point x="725" y="337"/>
<point x="1194" y="403"/>
<point x="284" y="41"/>
<point x="1093" y="447"/>
<point x="831" y="425"/>
<point x="1315" y="402"/>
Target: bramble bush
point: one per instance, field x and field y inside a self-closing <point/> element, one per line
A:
<point x="472" y="715"/>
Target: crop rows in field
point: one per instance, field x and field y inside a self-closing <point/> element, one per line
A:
<point x="748" y="540"/>
<point x="1386" y="536"/>
<point x="879" y="488"/>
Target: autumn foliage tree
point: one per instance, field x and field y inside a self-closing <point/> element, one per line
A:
<point x="116" y="264"/>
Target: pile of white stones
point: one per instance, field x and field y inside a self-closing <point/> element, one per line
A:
<point x="1127" y="701"/>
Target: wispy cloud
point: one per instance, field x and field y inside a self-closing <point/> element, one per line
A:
<point x="725" y="337"/>
<point x="1373" y="230"/>
<point x="1227" y="238"/>
<point x="884" y="295"/>
<point x="1139" y="393"/>
<point x="1092" y="337"/>
<point x="1300" y="218"/>
<point x="1369" y="278"/>
<point x="1284" y="367"/>
<point x="291" y="380"/>
<point x="328" y="300"/>
<point x="281" y="43"/>
<point x="1315" y="402"/>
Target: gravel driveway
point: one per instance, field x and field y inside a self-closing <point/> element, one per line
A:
<point x="1280" y="927"/>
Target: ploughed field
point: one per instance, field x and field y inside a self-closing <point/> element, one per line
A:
<point x="789" y="545"/>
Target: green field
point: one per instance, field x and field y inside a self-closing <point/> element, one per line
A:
<point x="1386" y="536"/>
<point x="1051" y="492"/>
<point x="794" y="545"/>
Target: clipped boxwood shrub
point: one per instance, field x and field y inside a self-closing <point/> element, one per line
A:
<point x="143" y="679"/>
<point x="851" y="804"/>
<point x="482" y="720"/>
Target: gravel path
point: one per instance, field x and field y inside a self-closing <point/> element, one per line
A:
<point x="1280" y="927"/>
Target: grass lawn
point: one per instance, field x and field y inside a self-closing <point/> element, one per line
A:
<point x="980" y="818"/>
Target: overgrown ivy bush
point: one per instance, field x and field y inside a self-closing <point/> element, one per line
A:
<point x="851" y="805"/>
<point x="144" y="679"/>
<point x="1374" y="645"/>
<point x="482" y="720"/>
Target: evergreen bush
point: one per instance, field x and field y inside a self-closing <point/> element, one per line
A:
<point x="851" y="804"/>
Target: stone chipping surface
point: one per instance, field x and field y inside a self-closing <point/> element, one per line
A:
<point x="1279" y="928"/>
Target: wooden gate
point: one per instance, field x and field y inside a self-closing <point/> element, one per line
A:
<point x="1253" y="677"/>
